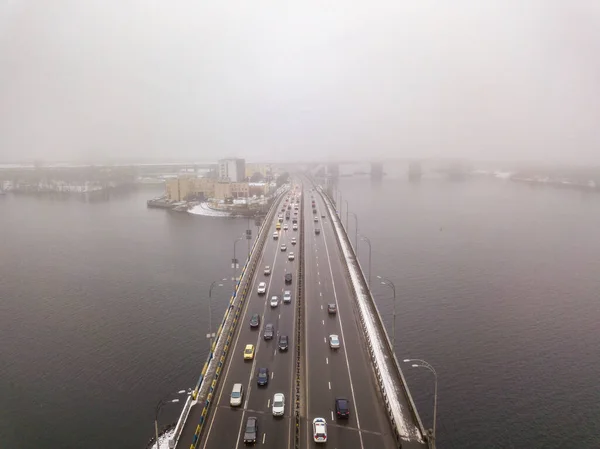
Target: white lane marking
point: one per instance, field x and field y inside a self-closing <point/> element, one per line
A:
<point x="318" y="274"/>
<point x="258" y="341"/>
<point x="269" y="403"/>
<point x="332" y="417"/>
<point x="323" y="322"/>
<point x="280" y="316"/>
<point x="344" y="339"/>
<point x="272" y="374"/>
<point x="237" y="340"/>
<point x="325" y="339"/>
<point x="320" y="293"/>
<point x="327" y="360"/>
<point x="275" y="353"/>
<point x="329" y="385"/>
<point x="319" y="282"/>
<point x="321" y="306"/>
<point x="265" y="436"/>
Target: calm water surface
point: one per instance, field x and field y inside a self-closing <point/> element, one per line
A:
<point x="103" y="310"/>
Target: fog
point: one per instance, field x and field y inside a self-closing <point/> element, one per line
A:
<point x="89" y="80"/>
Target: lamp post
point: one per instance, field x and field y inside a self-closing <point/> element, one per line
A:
<point x="234" y="261"/>
<point x="355" y="229"/>
<point x="159" y="406"/>
<point x="423" y="364"/>
<point x="347" y="209"/>
<point x="386" y="281"/>
<point x="210" y="332"/>
<point x="366" y="239"/>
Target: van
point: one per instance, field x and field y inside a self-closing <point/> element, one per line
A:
<point x="237" y="393"/>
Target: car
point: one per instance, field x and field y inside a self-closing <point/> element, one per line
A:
<point x="287" y="296"/>
<point x="275" y="235"/>
<point x="255" y="320"/>
<point x="289" y="206"/>
<point x="269" y="331"/>
<point x="293" y="240"/>
<point x="319" y="430"/>
<point x="262" y="288"/>
<point x="316" y="219"/>
<point x="237" y="394"/>
<point x="332" y="308"/>
<point x="249" y="352"/>
<point x="262" y="378"/>
<point x="278" y="404"/>
<point x="295" y="226"/>
<point x="342" y="408"/>
<point x="282" y="344"/>
<point x="251" y="430"/>
<point x="267" y="270"/>
<point x="317" y="231"/>
<point x="283" y="247"/>
<point x="288" y="278"/>
<point x="322" y="215"/>
<point x="334" y="341"/>
<point x="285" y="226"/>
<point x="314" y="211"/>
<point x="291" y="256"/>
<point x="274" y="301"/>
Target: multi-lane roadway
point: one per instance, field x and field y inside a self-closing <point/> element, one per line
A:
<point x="327" y="373"/>
<point x="336" y="373"/>
<point x="225" y="425"/>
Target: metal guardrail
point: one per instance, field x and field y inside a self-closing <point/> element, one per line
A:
<point x="299" y="324"/>
<point x="248" y="268"/>
<point x="382" y="330"/>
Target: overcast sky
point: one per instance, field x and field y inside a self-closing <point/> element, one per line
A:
<point x="359" y="79"/>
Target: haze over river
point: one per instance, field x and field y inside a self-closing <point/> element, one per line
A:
<point x="103" y="309"/>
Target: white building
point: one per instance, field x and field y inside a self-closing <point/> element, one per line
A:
<point x="232" y="170"/>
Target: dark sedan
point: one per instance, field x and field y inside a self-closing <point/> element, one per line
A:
<point x="288" y="278"/>
<point x="342" y="408"/>
<point x="283" y="343"/>
<point x="269" y="331"/>
<point x="255" y="321"/>
<point x="262" y="378"/>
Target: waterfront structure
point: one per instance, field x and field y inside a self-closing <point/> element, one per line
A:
<point x="232" y="170"/>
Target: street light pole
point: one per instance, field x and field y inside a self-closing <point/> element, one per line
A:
<point x="210" y="332"/>
<point x="423" y="364"/>
<point x="347" y="209"/>
<point x="157" y="411"/>
<point x="234" y="261"/>
<point x="386" y="281"/>
<point x="365" y="239"/>
<point x="355" y="229"/>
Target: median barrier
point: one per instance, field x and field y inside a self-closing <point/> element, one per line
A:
<point x="249" y="268"/>
<point x="299" y="324"/>
<point x="340" y="233"/>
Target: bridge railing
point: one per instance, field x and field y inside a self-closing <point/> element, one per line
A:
<point x="203" y="391"/>
<point x="388" y="392"/>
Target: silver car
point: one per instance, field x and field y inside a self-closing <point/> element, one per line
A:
<point x="278" y="404"/>
<point x="237" y="394"/>
<point x="287" y="296"/>
<point x="274" y="301"/>
<point x="334" y="341"/>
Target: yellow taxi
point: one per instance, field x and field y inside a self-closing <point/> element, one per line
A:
<point x="249" y="352"/>
<point x="278" y="226"/>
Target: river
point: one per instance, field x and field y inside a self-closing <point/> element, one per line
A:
<point x="103" y="309"/>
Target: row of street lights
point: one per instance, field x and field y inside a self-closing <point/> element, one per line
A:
<point x="415" y="363"/>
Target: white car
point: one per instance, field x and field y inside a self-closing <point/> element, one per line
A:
<point x="319" y="430"/>
<point x="295" y="227"/>
<point x="334" y="341"/>
<point x="274" y="301"/>
<point x="267" y="270"/>
<point x="283" y="247"/>
<point x="287" y="296"/>
<point x="237" y="394"/>
<point x="262" y="288"/>
<point x="285" y="227"/>
<point x="275" y="235"/>
<point x="278" y="404"/>
<point x="316" y="219"/>
<point x="291" y="256"/>
<point x="293" y="240"/>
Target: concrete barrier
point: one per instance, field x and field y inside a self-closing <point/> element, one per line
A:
<point x="240" y="296"/>
<point x="386" y="390"/>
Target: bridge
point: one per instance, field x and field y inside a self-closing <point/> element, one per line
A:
<point x="309" y="373"/>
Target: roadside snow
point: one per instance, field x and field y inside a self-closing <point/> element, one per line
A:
<point x="401" y="415"/>
<point x="163" y="440"/>
<point x="204" y="210"/>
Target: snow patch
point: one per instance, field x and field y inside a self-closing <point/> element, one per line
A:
<point x="401" y="415"/>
